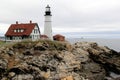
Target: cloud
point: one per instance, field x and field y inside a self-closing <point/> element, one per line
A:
<point x="67" y="15"/>
<point x="3" y="28"/>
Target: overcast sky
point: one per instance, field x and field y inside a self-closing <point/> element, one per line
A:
<point x="69" y="16"/>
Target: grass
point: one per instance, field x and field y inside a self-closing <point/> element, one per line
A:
<point x="50" y="45"/>
<point x="28" y="44"/>
<point x="6" y="44"/>
<point x="2" y="43"/>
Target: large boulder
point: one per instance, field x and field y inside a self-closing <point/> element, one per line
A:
<point x="89" y="69"/>
<point x="102" y="55"/>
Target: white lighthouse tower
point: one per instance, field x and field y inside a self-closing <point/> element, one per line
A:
<point x="48" y="25"/>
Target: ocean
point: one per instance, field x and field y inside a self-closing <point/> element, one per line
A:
<point x="111" y="43"/>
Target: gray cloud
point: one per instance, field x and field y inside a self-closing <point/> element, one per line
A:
<point x="68" y="15"/>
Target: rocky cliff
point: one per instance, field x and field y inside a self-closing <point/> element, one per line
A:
<point x="52" y="60"/>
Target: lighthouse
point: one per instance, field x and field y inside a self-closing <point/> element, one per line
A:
<point x="48" y="23"/>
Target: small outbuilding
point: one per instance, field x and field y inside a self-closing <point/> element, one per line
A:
<point x="59" y="37"/>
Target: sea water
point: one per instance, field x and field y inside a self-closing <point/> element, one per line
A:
<point x="110" y="43"/>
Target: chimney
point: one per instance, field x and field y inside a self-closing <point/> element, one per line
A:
<point x="16" y="22"/>
<point x="30" y="21"/>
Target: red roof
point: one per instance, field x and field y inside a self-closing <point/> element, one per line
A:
<point x="27" y="27"/>
<point x="59" y="37"/>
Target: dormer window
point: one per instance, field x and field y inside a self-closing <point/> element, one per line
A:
<point x="19" y="30"/>
<point x="15" y="30"/>
<point x="22" y="30"/>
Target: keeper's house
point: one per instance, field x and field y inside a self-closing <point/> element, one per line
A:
<point x="23" y="31"/>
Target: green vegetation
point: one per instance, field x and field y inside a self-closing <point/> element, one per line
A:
<point x="6" y="44"/>
<point x="2" y="43"/>
<point x="41" y="45"/>
<point x="53" y="45"/>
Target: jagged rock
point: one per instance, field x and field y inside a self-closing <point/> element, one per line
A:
<point x="51" y="60"/>
<point x="28" y="52"/>
<point x="11" y="74"/>
<point x="108" y="58"/>
<point x="4" y="78"/>
<point x="41" y="46"/>
<point x="68" y="78"/>
<point x="76" y="77"/>
<point x="80" y="54"/>
<point x="10" y="52"/>
<point x="49" y="45"/>
<point x="71" y="61"/>
<point x="117" y="78"/>
<point x="46" y="74"/>
<point x="89" y="69"/>
<point x="23" y="77"/>
<point x="3" y="64"/>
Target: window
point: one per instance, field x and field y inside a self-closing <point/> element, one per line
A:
<point x="14" y="30"/>
<point x="22" y="30"/>
<point x="19" y="30"/>
<point x="35" y="31"/>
